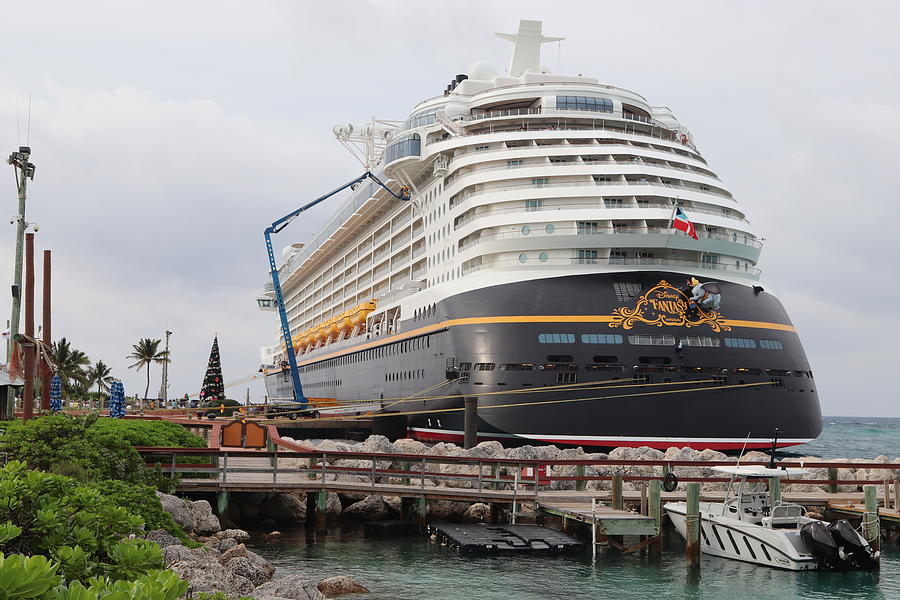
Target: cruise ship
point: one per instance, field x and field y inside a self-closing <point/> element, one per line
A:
<point x="568" y="257"/>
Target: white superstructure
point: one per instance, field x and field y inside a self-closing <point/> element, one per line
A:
<point x="515" y="177"/>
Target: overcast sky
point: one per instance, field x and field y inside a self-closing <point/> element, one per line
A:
<point x="167" y="135"/>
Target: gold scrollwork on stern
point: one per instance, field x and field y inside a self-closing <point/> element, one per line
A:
<point x="664" y="305"/>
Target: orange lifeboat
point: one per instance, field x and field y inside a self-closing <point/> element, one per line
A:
<point x="345" y="324"/>
<point x="331" y="329"/>
<point x="362" y="311"/>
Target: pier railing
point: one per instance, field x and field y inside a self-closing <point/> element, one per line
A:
<point x="478" y="474"/>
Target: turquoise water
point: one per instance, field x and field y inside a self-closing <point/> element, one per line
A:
<point x="853" y="437"/>
<point x="414" y="567"/>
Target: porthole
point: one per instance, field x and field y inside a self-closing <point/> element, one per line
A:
<point x="543" y="257"/>
<point x="550" y="228"/>
<point x="526" y="229"/>
<point x="523" y="258"/>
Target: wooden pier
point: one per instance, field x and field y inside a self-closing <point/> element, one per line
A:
<point x="522" y="487"/>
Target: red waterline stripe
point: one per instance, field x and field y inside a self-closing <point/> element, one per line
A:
<point x="698" y="444"/>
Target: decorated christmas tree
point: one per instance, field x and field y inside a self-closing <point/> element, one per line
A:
<point x="213" y="387"/>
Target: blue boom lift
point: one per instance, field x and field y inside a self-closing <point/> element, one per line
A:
<point x="277" y="226"/>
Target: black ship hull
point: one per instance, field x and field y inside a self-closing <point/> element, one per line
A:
<point x="607" y="359"/>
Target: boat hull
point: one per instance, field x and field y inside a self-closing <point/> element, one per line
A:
<point x="565" y="360"/>
<point x="728" y="538"/>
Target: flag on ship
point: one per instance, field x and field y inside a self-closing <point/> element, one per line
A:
<point x="681" y="222"/>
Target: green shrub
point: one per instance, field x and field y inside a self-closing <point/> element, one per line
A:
<point x="36" y="578"/>
<point x="91" y="449"/>
<point x="140" y="500"/>
<point x="88" y="535"/>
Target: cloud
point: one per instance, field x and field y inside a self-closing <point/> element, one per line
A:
<point x="168" y="135"/>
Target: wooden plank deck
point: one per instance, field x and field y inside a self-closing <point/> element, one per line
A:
<point x="890" y="515"/>
<point x="610" y="521"/>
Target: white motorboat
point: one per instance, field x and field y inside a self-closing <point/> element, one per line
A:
<point x="749" y="526"/>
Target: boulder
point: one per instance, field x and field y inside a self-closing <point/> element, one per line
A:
<point x="477" y="513"/>
<point x="238" y="535"/>
<point x="489" y="449"/>
<point x="162" y="538"/>
<point x="285" y="508"/>
<point x="372" y="508"/>
<point x="446" y="510"/>
<point x="409" y="446"/>
<point x="340" y="585"/>
<point x="182" y="511"/>
<point x="211" y="576"/>
<point x="234" y="552"/>
<point x="523" y="453"/>
<point x="253" y="571"/>
<point x="333" y="446"/>
<point x="291" y="587"/>
<point x="445" y="449"/>
<point x="333" y="507"/>
<point x="181" y="554"/>
<point x="207" y="522"/>
<point x="227" y="544"/>
<point x="377" y="443"/>
<point x="394" y="504"/>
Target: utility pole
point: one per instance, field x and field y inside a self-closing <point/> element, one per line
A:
<point x="24" y="171"/>
<point x="164" y="389"/>
<point x="30" y="346"/>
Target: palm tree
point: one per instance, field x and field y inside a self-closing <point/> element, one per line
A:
<point x="70" y="365"/>
<point x="147" y="352"/>
<point x="100" y="374"/>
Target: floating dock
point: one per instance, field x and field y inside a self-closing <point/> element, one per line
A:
<point x="483" y="538"/>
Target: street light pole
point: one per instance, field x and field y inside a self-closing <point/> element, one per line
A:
<point x="24" y="170"/>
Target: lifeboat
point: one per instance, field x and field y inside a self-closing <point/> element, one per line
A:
<point x="362" y="311"/>
<point x="345" y="323"/>
<point x="331" y="329"/>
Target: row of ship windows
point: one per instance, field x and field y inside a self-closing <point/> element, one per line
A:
<point x="606" y="363"/>
<point x="405" y="375"/>
<point x="658" y="340"/>
<point x="418" y="343"/>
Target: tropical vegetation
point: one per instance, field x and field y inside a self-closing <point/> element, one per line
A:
<point x="70" y="367"/>
<point x="100" y="375"/>
<point x="145" y="353"/>
<point x="91" y="449"/>
<point x="73" y="542"/>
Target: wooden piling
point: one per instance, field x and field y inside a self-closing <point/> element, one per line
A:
<point x="406" y="508"/>
<point x="322" y="511"/>
<point x="421" y="509"/>
<point x="775" y="489"/>
<point x="896" y="493"/>
<point x="579" y="472"/>
<point x="310" y="509"/>
<point x="692" y="525"/>
<point x="470" y="423"/>
<point x="44" y="367"/>
<point x="832" y="475"/>
<point x="887" y="494"/>
<point x="654" y="509"/>
<point x="617" y="501"/>
<point x="870" y="519"/>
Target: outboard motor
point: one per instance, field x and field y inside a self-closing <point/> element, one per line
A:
<point x="852" y="547"/>
<point x="821" y="544"/>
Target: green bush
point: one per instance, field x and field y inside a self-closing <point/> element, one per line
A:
<point x="91" y="449"/>
<point x="75" y="525"/>
<point x="36" y="578"/>
<point x="140" y="500"/>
